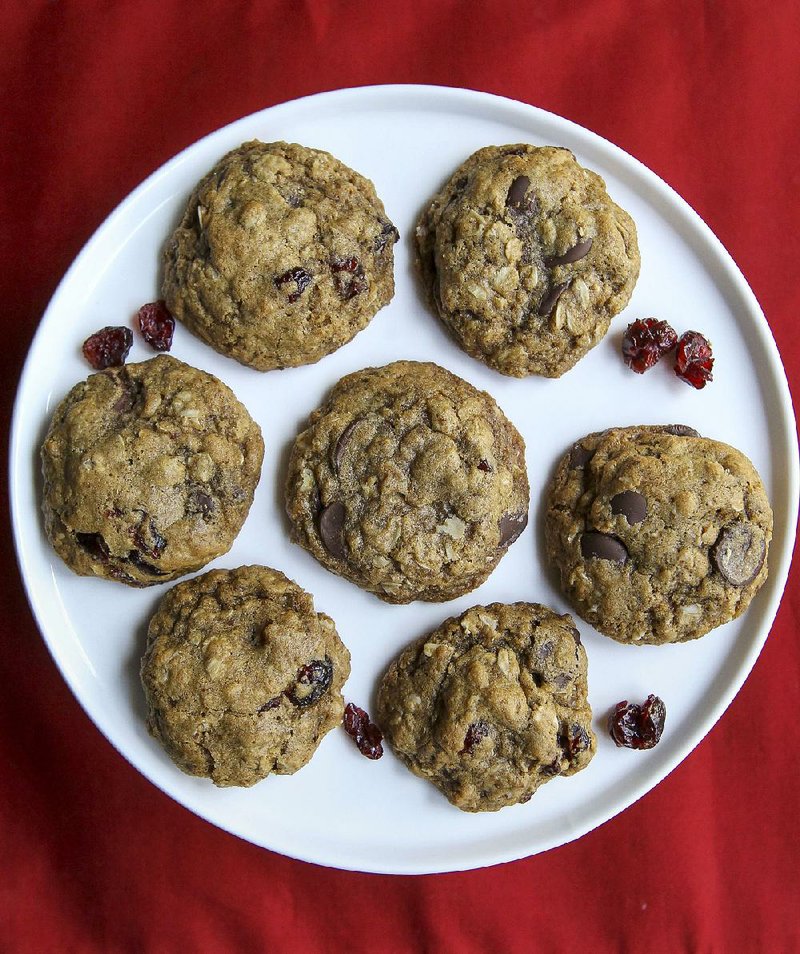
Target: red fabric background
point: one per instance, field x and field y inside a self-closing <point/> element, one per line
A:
<point x="94" y="97"/>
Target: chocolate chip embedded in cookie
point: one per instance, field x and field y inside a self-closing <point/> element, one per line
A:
<point x="282" y="255"/>
<point x="242" y="677"/>
<point x="658" y="534"/>
<point x="149" y="472"/>
<point x="409" y="482"/>
<point x="526" y="259"/>
<point x="491" y="704"/>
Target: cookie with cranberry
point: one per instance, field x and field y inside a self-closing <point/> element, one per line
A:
<point x="282" y="255"/>
<point x="526" y="258"/>
<point x="491" y="704"/>
<point x="409" y="482"/>
<point x="658" y="534"/>
<point x="149" y="472"/>
<point x="242" y="677"/>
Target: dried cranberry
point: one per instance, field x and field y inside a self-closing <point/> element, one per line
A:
<point x="693" y="359"/>
<point x="574" y="741"/>
<point x="638" y="727"/>
<point x="299" y="276"/>
<point x="313" y="681"/>
<point x="645" y="341"/>
<point x="108" y="348"/>
<point x="348" y="276"/>
<point x="367" y="735"/>
<point x="156" y="325"/>
<point x="476" y="731"/>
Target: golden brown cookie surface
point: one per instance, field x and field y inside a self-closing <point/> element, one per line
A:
<point x="242" y="677"/>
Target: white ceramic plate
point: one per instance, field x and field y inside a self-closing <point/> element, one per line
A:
<point x="342" y="809"/>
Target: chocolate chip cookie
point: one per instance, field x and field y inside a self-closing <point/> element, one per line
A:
<point x="149" y="472"/>
<point x="491" y="705"/>
<point x="658" y="534"/>
<point x="242" y="677"/>
<point x="409" y="482"/>
<point x="282" y="255"/>
<point x="526" y="259"/>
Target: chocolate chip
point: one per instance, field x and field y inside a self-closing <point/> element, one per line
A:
<point x="201" y="502"/>
<point x="575" y="635"/>
<point x="511" y="526"/>
<point x="603" y="546"/>
<point x="739" y="553"/>
<point x="574" y="254"/>
<point x="551" y="298"/>
<point x="331" y="529"/>
<point x="485" y="466"/>
<point x="679" y="430"/>
<point x="341" y="445"/>
<point x="516" y="194"/>
<point x="631" y="504"/>
<point x="579" y="456"/>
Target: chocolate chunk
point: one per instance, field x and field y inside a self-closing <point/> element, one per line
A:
<point x="574" y="254"/>
<point x="551" y="299"/>
<point x="331" y="529"/>
<point x="631" y="504"/>
<point x="95" y="545"/>
<point x="485" y="466"/>
<point x="603" y="546"/>
<point x="516" y="195"/>
<point x="575" y="635"/>
<point x="680" y="430"/>
<point x="511" y="526"/>
<point x="341" y="445"/>
<point x="579" y="456"/>
<point x="739" y="553"/>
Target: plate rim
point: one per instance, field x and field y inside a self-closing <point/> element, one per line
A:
<point x="525" y="113"/>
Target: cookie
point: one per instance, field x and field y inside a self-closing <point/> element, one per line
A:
<point x="491" y="705"/>
<point x="409" y="482"/>
<point x="242" y="677"/>
<point x="526" y="259"/>
<point x="282" y="255"/>
<point x="658" y="534"/>
<point x="149" y="472"/>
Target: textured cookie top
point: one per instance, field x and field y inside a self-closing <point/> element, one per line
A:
<point x="242" y="678"/>
<point x="283" y="255"/>
<point x="491" y="705"/>
<point x="409" y="482"/>
<point x="659" y="534"/>
<point x="149" y="472"/>
<point x="526" y="258"/>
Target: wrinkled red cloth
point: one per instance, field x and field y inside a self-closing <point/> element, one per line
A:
<point x="95" y="95"/>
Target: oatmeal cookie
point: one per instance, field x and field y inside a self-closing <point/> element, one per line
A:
<point x="409" y="482"/>
<point x="282" y="255"/>
<point x="526" y="259"/>
<point x="149" y="472"/>
<point x="242" y="677"/>
<point x="658" y="534"/>
<point x="491" y="704"/>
